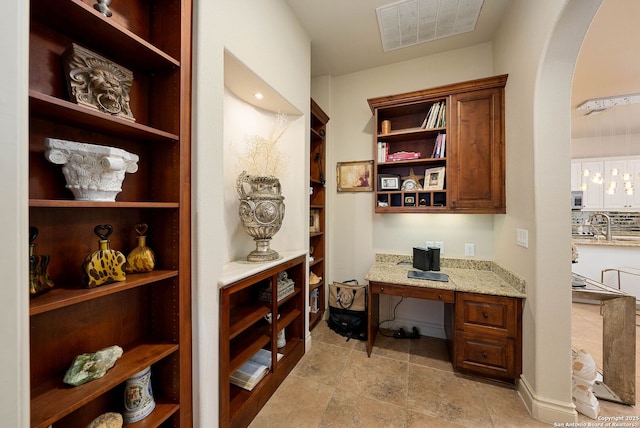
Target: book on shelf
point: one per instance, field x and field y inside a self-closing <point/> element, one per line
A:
<point x="402" y="156"/>
<point x="442" y="116"/>
<point x="435" y="116"/>
<point x="383" y="151"/>
<point x="253" y="371"/>
<point x="439" y="146"/>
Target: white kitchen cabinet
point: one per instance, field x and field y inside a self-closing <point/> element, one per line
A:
<point x="614" y="172"/>
<point x="597" y="196"/>
<point x="593" y="192"/>
<point x="576" y="175"/>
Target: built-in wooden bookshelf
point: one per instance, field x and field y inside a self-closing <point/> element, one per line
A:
<point x="244" y="330"/>
<point x="317" y="213"/>
<point x="461" y="150"/>
<point x="149" y="314"/>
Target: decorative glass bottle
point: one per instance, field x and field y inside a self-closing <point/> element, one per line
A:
<point x="39" y="281"/>
<point x="142" y="258"/>
<point x="103" y="265"/>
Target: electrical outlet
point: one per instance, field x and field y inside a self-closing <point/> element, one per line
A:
<point x="440" y="245"/>
<point x="428" y="244"/>
<point x="470" y="250"/>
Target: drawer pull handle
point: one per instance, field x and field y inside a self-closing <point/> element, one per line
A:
<point x="485" y="315"/>
<point x="439" y="296"/>
<point x="484" y="354"/>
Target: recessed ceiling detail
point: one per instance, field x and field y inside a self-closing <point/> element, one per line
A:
<point x="410" y="22"/>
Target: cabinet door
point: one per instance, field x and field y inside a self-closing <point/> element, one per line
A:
<point x="576" y="172"/>
<point x="593" y="192"/>
<point x="633" y="167"/>
<point x="614" y="195"/>
<point x="477" y="152"/>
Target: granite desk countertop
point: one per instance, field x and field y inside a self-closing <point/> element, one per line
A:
<point x="473" y="276"/>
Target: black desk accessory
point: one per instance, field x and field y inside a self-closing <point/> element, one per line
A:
<point x="433" y="276"/>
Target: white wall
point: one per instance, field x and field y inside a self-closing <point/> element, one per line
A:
<point x="537" y="45"/>
<point x="266" y="37"/>
<point x="14" y="305"/>
<point x="356" y="233"/>
<point x="605" y="146"/>
<point x="243" y="121"/>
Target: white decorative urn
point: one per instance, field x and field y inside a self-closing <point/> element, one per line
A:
<point x="93" y="172"/>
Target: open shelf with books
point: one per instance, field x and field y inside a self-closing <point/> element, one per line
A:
<point x="441" y="149"/>
<point x="256" y="329"/>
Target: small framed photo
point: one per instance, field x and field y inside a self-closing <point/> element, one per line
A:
<point x="388" y="182"/>
<point x="355" y="176"/>
<point x="314" y="221"/>
<point x="434" y="178"/>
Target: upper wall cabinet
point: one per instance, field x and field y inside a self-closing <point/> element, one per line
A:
<point x="145" y="46"/>
<point x="441" y="149"/>
<point x="607" y="183"/>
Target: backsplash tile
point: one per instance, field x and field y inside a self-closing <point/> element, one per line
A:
<point x="622" y="222"/>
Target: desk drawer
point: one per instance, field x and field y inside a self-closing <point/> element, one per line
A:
<point x="489" y="356"/>
<point x="447" y="296"/>
<point x="487" y="314"/>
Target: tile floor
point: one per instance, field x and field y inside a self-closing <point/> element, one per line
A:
<point x="406" y="383"/>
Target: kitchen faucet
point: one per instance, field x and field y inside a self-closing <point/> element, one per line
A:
<point x="607" y="231"/>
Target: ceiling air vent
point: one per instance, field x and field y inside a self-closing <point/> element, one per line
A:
<point x="410" y="22"/>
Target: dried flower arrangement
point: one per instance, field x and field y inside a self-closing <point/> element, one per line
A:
<point x="262" y="156"/>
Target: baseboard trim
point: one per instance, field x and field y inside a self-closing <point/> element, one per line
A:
<point x="543" y="409"/>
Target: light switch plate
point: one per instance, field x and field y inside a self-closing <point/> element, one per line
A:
<point x="522" y="237"/>
<point x="470" y="250"/>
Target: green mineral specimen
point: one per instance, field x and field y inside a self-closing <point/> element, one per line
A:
<point x="88" y="367"/>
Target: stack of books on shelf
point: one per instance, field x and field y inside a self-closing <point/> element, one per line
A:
<point x="439" y="146"/>
<point x="436" y="117"/>
<point x="402" y="156"/>
<point x="252" y="372"/>
<point x="286" y="287"/>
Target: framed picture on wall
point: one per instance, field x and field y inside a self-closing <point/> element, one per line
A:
<point x="434" y="178"/>
<point x="355" y="176"/>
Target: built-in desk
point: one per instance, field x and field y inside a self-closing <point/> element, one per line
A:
<point x="483" y="310"/>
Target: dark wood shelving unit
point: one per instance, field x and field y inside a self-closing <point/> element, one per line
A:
<point x="474" y="158"/>
<point x="317" y="205"/>
<point x="149" y="314"/>
<point x="244" y="331"/>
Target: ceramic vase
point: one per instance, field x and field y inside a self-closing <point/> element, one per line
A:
<point x="138" y="397"/>
<point x="282" y="341"/>
<point x="261" y="212"/>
